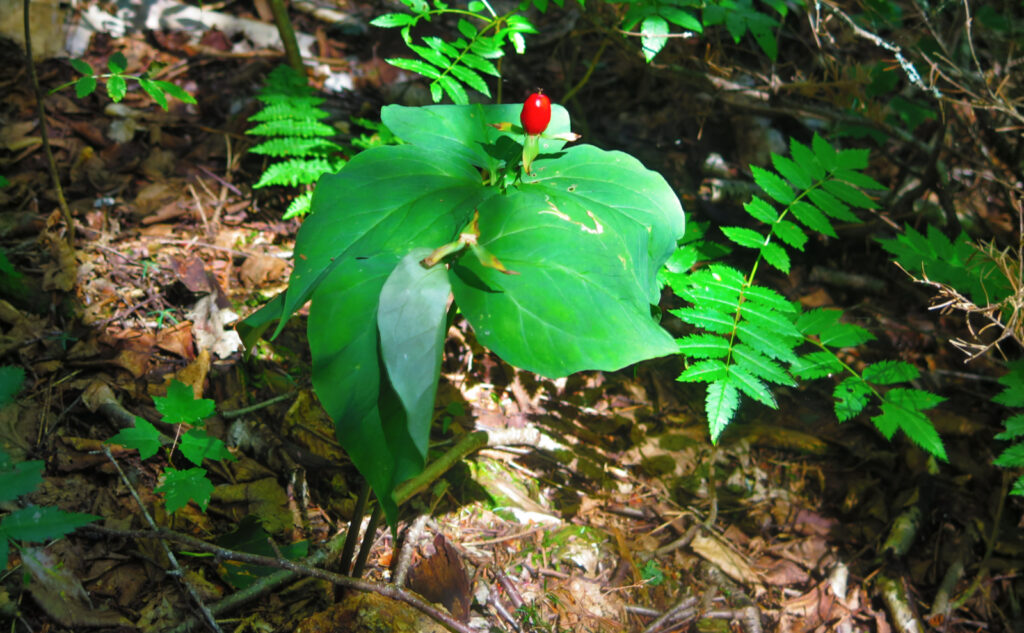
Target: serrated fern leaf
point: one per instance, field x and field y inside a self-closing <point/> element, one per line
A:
<point x="295" y="172"/>
<point x="289" y="127"/>
<point x="296" y="147"/>
<point x="299" y="206"/>
<point x="720" y="404"/>
<point x="289" y="110"/>
<point x="902" y="410"/>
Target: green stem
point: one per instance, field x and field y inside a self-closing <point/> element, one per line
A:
<point x="364" y="549"/>
<point x="287" y="31"/>
<point x="352" y="535"/>
<point x="468" y="444"/>
<point x="65" y="211"/>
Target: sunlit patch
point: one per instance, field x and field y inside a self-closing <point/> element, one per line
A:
<point x="597" y="229"/>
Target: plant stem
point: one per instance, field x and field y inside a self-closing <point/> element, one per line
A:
<point x="65" y="211"/>
<point x="438" y="467"/>
<point x="352" y="536"/>
<point x="368" y="537"/>
<point x="287" y="32"/>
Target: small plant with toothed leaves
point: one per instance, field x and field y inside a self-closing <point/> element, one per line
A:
<point x="749" y="336"/>
<point x="117" y="82"/>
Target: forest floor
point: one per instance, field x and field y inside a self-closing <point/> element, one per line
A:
<point x="624" y="512"/>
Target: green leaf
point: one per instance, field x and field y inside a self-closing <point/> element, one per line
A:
<point x="1012" y="457"/>
<point x="757" y="364"/>
<point x="768" y="343"/>
<point x="1018" y="487"/>
<point x="471" y="79"/>
<point x="901" y="409"/>
<point x="770" y="298"/>
<point x="710" y="320"/>
<point x="845" y="335"/>
<point x="85" y="86"/>
<point x="181" y="486"/>
<point x="467" y="29"/>
<point x="720" y="406"/>
<point x="709" y="370"/>
<point x="776" y="188"/>
<point x="36" y="524"/>
<point x="831" y="205"/>
<point x="143" y="437"/>
<point x="11" y="379"/>
<point x="751" y="386"/>
<point x="117" y="88"/>
<point x="804" y="157"/>
<point x="888" y="372"/>
<point x="1014" y="427"/>
<point x="776" y="256"/>
<point x="824" y="153"/>
<point x="415" y="66"/>
<point x="82" y="66"/>
<point x="392" y="20"/>
<point x="812" y="218"/>
<point x="849" y="194"/>
<point x="761" y="210"/>
<point x="154" y="91"/>
<point x="792" y="172"/>
<point x="250" y="537"/>
<point x="453" y="89"/>
<point x="411" y="319"/>
<point x="703" y="346"/>
<point x="857" y="179"/>
<point x="479" y="63"/>
<point x="851" y="397"/>
<point x="181" y="405"/>
<point x="654" y="29"/>
<point x="680" y="18"/>
<point x="117" y="63"/>
<point x="197" y="445"/>
<point x="853" y="159"/>
<point x="817" y="364"/>
<point x="175" y="91"/>
<point x="21" y="480"/>
<point x="790" y="234"/>
<point x="744" y="236"/>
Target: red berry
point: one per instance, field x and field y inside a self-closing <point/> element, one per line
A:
<point x="536" y="113"/>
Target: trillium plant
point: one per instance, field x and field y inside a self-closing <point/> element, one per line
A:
<point x="550" y="251"/>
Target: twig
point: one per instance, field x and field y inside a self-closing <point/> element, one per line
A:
<point x="686" y="605"/>
<point x="237" y="413"/>
<point x="178" y="571"/>
<point x="388" y="591"/>
<point x="412" y="536"/>
<point x="65" y="211"/>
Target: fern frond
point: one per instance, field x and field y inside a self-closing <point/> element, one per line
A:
<point x="297" y="171"/>
<point x="292" y="128"/>
<point x="290" y="109"/>
<point x="297" y="147"/>
<point x="299" y="206"/>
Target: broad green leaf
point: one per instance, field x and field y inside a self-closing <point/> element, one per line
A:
<point x="792" y="171"/>
<point x="790" y="234"/>
<point x="411" y="319"/>
<point x="812" y="218"/>
<point x="776" y="188"/>
<point x="680" y="18"/>
<point x="814" y="322"/>
<point x="181" y="405"/>
<point x="761" y="210"/>
<point x="703" y="346"/>
<point x="851" y="397"/>
<point x="776" y="256"/>
<point x="587" y="272"/>
<point x="852" y="159"/>
<point x="385" y="199"/>
<point x="888" y="372"/>
<point x="743" y="236"/>
<point x="197" y="445"/>
<point x="21" y="480"/>
<point x="654" y="29"/>
<point x="181" y="486"/>
<point x="143" y="437"/>
<point x="720" y="406"/>
<point x="175" y="91"/>
<point x="845" y="335"/>
<point x="36" y="524"/>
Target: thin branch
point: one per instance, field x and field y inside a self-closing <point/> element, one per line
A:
<point x="388" y="591"/>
